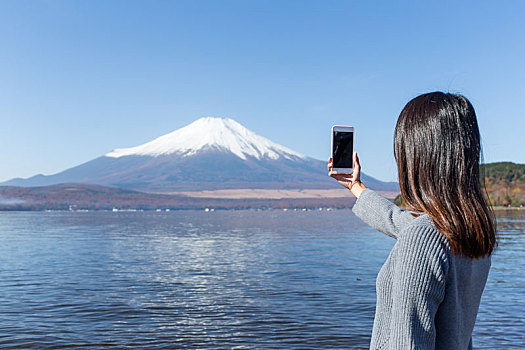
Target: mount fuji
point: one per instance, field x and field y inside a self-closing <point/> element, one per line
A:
<point x="208" y="154"/>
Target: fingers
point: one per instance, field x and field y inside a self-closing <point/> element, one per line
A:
<point x="344" y="179"/>
<point x="356" y="162"/>
<point x="341" y="177"/>
<point x="356" y="176"/>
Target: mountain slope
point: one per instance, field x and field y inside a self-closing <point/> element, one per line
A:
<point x="209" y="154"/>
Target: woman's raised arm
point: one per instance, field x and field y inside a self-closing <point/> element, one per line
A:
<point x="372" y="208"/>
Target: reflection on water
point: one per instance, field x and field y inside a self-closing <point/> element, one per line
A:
<point x="219" y="279"/>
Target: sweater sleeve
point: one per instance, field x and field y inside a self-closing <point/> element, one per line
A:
<point x="418" y="288"/>
<point x="380" y="213"/>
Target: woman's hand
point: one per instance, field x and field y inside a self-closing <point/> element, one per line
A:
<point x="349" y="180"/>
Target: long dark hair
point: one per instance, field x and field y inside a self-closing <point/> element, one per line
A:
<point x="437" y="149"/>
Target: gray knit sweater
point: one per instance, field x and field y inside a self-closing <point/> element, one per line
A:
<point x="427" y="297"/>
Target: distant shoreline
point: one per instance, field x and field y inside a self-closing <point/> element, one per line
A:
<point x="507" y="208"/>
<point x="274" y="194"/>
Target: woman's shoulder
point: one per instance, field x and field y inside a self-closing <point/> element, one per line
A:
<point x="422" y="226"/>
<point x="422" y="240"/>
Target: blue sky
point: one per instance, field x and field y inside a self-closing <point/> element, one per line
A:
<point x="80" y="78"/>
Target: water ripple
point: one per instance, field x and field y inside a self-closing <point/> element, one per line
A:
<point x="235" y="280"/>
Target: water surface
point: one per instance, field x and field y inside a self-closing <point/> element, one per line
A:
<point x="236" y="279"/>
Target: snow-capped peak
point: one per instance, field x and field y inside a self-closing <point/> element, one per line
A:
<point x="223" y="133"/>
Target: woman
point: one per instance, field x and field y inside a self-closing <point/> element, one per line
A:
<point x="429" y="289"/>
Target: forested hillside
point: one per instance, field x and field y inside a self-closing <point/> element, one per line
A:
<point x="505" y="183"/>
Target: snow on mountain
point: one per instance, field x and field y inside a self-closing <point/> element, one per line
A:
<point x="210" y="132"/>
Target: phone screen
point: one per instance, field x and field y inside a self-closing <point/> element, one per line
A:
<point x="343" y="149"/>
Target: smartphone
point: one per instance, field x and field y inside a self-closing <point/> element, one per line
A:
<point x="343" y="149"/>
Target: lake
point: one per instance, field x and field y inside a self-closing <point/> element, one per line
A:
<point x="223" y="279"/>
